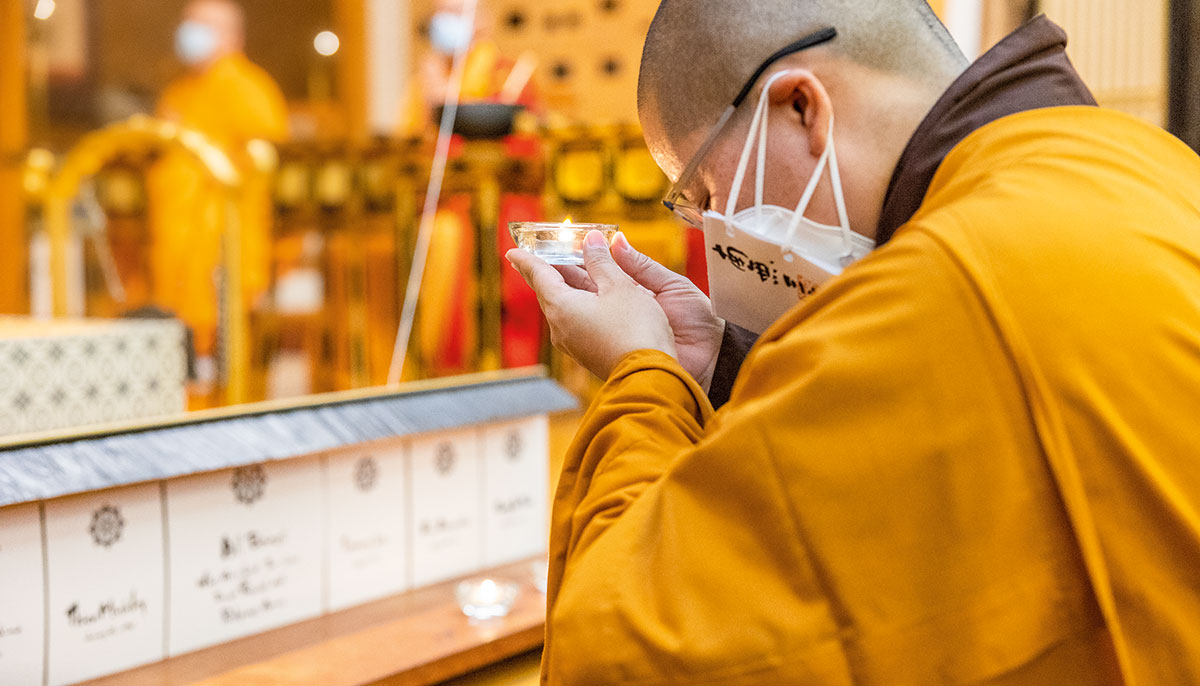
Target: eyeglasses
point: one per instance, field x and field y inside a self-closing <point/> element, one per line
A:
<point x="675" y="201"/>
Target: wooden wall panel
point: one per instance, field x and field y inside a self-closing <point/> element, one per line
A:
<point x="134" y="41"/>
<point x="350" y="18"/>
<point x="589" y="50"/>
<point x="1120" y="48"/>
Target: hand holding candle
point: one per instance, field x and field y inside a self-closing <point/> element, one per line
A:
<point x="602" y="321"/>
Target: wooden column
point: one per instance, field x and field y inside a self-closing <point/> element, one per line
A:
<point x="350" y="17"/>
<point x="1002" y="17"/>
<point x="1184" y="91"/>
<point x="14" y="138"/>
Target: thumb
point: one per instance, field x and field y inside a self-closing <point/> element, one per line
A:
<point x="599" y="262"/>
<point x="650" y="274"/>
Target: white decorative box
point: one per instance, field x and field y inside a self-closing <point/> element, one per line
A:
<point x="367" y="536"/>
<point x="244" y="551"/>
<point x="22" y="615"/>
<point x="446" y="485"/>
<point x="516" y="468"/>
<point x="104" y="553"/>
<point x="63" y="373"/>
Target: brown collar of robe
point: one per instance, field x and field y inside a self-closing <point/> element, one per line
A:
<point x="1028" y="70"/>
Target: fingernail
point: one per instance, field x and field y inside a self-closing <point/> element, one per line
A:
<point x="595" y="239"/>
<point x="622" y="243"/>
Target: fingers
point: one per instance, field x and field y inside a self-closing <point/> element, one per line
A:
<point x="576" y="277"/>
<point x="599" y="262"/>
<point x="541" y="277"/>
<point x="644" y="270"/>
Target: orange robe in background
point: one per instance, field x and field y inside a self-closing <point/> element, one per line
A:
<point x="970" y="459"/>
<point x="232" y="103"/>
<point x="484" y="75"/>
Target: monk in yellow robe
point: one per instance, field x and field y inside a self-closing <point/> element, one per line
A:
<point x="232" y="102"/>
<point x="447" y="327"/>
<point x="487" y="72"/>
<point x="968" y="458"/>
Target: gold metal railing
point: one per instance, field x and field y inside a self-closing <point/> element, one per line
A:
<point x="141" y="135"/>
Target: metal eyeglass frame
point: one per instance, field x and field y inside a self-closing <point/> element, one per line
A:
<point x="675" y="201"/>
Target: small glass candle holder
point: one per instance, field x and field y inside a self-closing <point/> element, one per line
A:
<point x="483" y="599"/>
<point x="557" y="243"/>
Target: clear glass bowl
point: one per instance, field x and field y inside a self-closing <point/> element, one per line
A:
<point x="557" y="243"/>
<point x="483" y="599"/>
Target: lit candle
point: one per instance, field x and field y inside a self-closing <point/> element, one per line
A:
<point x="487" y="593"/>
<point x="485" y="598"/>
<point x="566" y="234"/>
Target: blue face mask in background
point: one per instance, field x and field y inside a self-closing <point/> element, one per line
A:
<point x="195" y="43"/>
<point x="450" y="33"/>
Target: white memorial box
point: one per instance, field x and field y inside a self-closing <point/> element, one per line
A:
<point x="22" y="613"/>
<point x="446" y="488"/>
<point x="104" y="553"/>
<point x="367" y="524"/>
<point x="245" y="548"/>
<point x="516" y="490"/>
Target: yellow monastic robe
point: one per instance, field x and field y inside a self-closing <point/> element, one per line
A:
<point x="971" y="459"/>
<point x="232" y="102"/>
<point x="484" y="74"/>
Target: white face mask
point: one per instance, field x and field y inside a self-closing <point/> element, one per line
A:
<point x="762" y="259"/>
<point x="195" y="43"/>
<point x="450" y="33"/>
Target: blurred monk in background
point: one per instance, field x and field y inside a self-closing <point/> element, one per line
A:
<point x="232" y="101"/>
<point x="448" y="334"/>
<point x="489" y="76"/>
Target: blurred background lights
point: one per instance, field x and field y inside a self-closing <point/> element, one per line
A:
<point x="44" y="9"/>
<point x="327" y="43"/>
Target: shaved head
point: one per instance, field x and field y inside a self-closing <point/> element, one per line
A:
<point x="699" y="53"/>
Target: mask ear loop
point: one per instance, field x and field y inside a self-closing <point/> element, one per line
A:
<point x="839" y="199"/>
<point x="828" y="157"/>
<point x="760" y="176"/>
<point x="807" y="197"/>
<point x="756" y="135"/>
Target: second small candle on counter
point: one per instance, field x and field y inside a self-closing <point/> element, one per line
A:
<point x="557" y="243"/>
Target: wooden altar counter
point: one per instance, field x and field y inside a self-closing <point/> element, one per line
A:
<point x="420" y="637"/>
<point x="311" y="542"/>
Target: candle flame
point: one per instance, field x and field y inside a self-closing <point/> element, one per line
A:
<point x="566" y="234"/>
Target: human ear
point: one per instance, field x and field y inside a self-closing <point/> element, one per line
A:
<point x="810" y="103"/>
